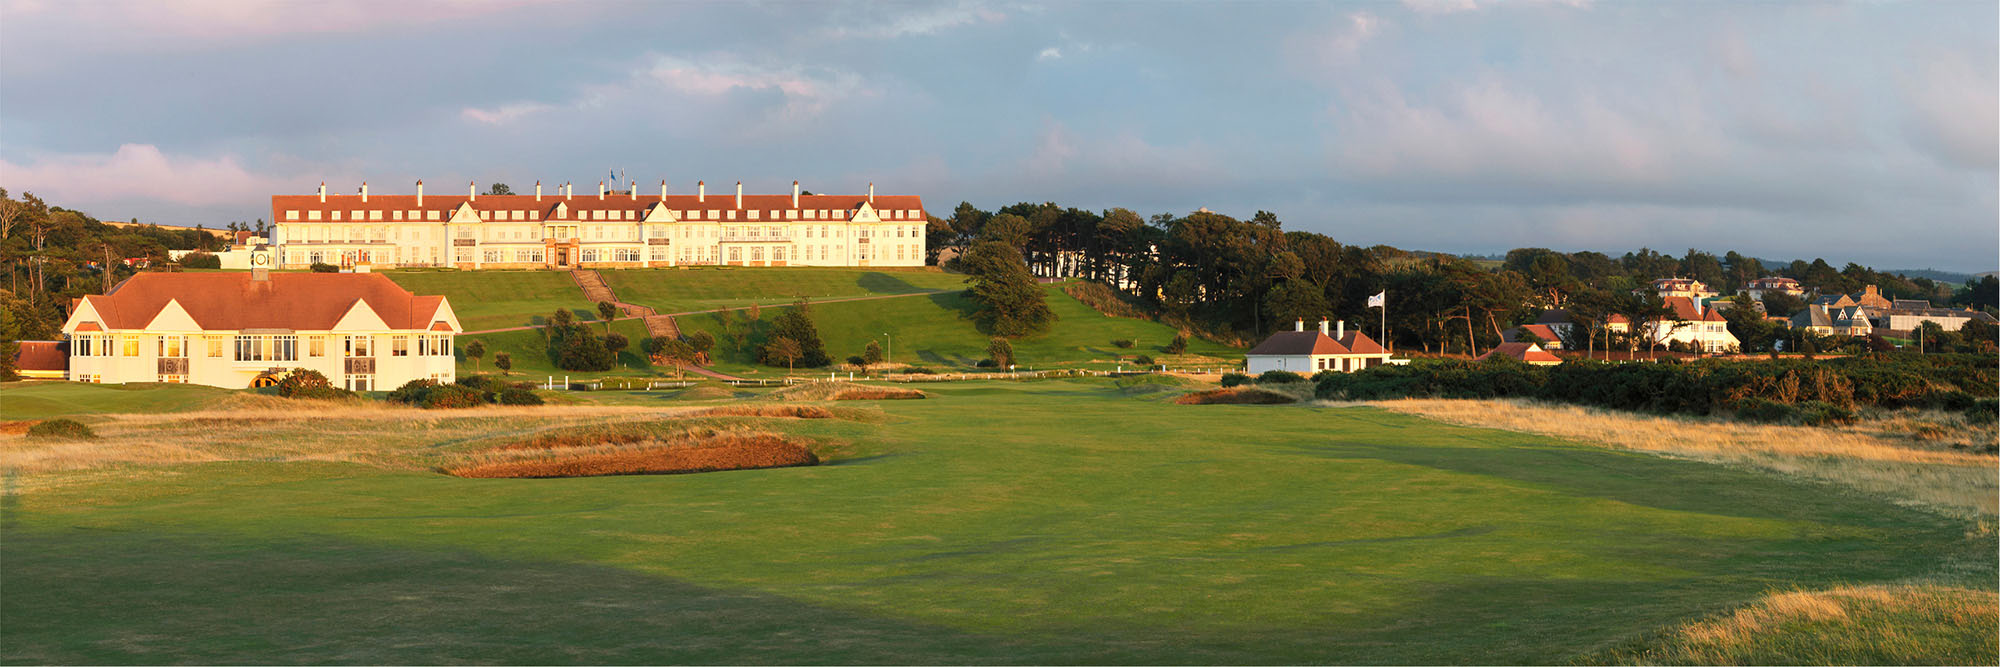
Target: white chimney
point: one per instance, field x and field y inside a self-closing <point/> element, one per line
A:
<point x="871" y="193"/>
<point x="322" y="192"/>
<point x="795" y="194"/>
<point x="663" y="189"/>
<point x="701" y="191"/>
<point x="364" y="192"/>
<point x="739" y="194"/>
<point x="420" y="192"/>
<point x="569" y="190"/>
<point x="1300" y="325"/>
<point x="1341" y="330"/>
<point x="538" y="191"/>
<point x="600" y="190"/>
<point x="633" y="190"/>
<point x="471" y="191"/>
<point x="1322" y="327"/>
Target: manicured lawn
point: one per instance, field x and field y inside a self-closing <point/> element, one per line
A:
<point x="41" y="400"/>
<point x="709" y="288"/>
<point x="531" y="358"/>
<point x="1035" y="522"/>
<point x="499" y="299"/>
<point x="937" y="331"/>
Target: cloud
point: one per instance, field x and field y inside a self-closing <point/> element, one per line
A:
<point x="140" y="172"/>
<point x="504" y="114"/>
<point x="1438" y="7"/>
<point x="1955" y="113"/>
<point x="1048" y="54"/>
<point x="209" y="24"/>
<point x="928" y="21"/>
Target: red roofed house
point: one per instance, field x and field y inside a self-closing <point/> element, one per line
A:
<point x="608" y="229"/>
<point x="1541" y="332"/>
<point x="1307" y="352"/>
<point x="1689" y="323"/>
<point x="1524" y="352"/>
<point x="41" y="360"/>
<point x="227" y="329"/>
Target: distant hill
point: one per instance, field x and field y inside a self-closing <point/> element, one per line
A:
<point x="1952" y="277"/>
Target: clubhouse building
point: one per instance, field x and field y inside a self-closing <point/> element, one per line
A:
<point x="605" y="229"/>
<point x="244" y="329"/>
<point x="1308" y="352"/>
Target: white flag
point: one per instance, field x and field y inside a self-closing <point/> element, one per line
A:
<point x="1377" y="301"/>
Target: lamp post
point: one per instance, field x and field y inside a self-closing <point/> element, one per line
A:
<point x="891" y="355"/>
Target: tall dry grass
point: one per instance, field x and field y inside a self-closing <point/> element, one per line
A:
<point x="1884" y="624"/>
<point x="1909" y="456"/>
<point x="713" y="451"/>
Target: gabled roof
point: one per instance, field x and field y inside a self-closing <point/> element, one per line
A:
<point x="1813" y="316"/>
<point x="41" y="355"/>
<point x="1359" y="343"/>
<point x="1541" y="331"/>
<point x="236" y="301"/>
<point x="1528" y="352"/>
<point x="1298" y="343"/>
<point x="611" y="202"/>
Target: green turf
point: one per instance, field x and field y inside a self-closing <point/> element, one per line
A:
<point x="702" y="289"/>
<point x="41" y="400"/>
<point x="1039" y="522"/>
<point x="498" y="299"/>
<point x="936" y="330"/>
<point x="529" y="350"/>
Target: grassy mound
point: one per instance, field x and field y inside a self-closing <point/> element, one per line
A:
<point x="496" y="299"/>
<point x="726" y="451"/>
<point x="842" y="391"/>
<point x="1235" y="396"/>
<point x="1856" y="625"/>
<point x="704" y="392"/>
<point x="767" y="411"/>
<point x="61" y="429"/>
<point x="1152" y="383"/>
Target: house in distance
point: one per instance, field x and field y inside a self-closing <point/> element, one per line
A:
<point x="1307" y="352"/>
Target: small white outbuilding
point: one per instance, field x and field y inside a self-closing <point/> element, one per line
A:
<point x="1308" y="352"/>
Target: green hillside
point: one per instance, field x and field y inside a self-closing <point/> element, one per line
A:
<point x="498" y="299"/>
<point x="709" y="288"/>
<point x="937" y="331"/>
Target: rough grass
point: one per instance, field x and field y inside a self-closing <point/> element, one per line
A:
<point x="1851" y="625"/>
<point x="843" y="391"/>
<point x="768" y="411"/>
<point x="1896" y="457"/>
<point x="721" y="451"/>
<point x="1235" y="396"/>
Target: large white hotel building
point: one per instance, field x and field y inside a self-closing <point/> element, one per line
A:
<point x="605" y="229"/>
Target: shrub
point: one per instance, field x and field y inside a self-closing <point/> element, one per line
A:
<point x="1234" y="396"/>
<point x="519" y="396"/>
<point x="1323" y="375"/>
<point x="323" y="267"/>
<point x="1275" y="376"/>
<point x="918" y="370"/>
<point x="309" y="383"/>
<point x="201" y="260"/>
<point x="1819" y="413"/>
<point x="485" y="383"/>
<point x="1143" y="360"/>
<point x="1179" y="344"/>
<point x="1983" y="411"/>
<point x="987" y="363"/>
<point x="1123" y="343"/>
<point x="1761" y="410"/>
<point x="61" y="429"/>
<point x="1233" y="379"/>
<point x="412" y="392"/>
<point x="856" y="360"/>
<point x="453" y="396"/>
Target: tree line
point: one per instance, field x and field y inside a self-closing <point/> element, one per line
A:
<point x="53" y="254"/>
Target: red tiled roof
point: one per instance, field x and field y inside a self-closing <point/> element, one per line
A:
<point x="234" y="301"/>
<point x="1541" y="331"/>
<point x="1359" y="343"/>
<point x="1528" y="352"/>
<point x="1298" y="343"/>
<point x="41" y="355"/>
<point x="619" y="202"/>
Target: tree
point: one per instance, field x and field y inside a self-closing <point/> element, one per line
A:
<point x="701" y="341"/>
<point x="1001" y="352"/>
<point x="1010" y="302"/>
<point x="675" y="352"/>
<point x="795" y="324"/>
<point x="562" y="317"/>
<point x="573" y="347"/>
<point x="651" y="345"/>
<point x="783" y="349"/>
<point x="1780" y="304"/>
<point x="503" y="361"/>
<point x="871" y="353"/>
<point x="10" y="333"/>
<point x="498" y="188"/>
<point x="1179" y="344"/>
<point x="607" y="310"/>
<point x="616" y="342"/>
<point x="474" y="350"/>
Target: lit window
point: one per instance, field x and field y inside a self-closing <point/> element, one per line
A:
<point x="399" y="346"/>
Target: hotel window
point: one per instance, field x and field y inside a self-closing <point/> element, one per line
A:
<point x="792" y="214"/>
<point x="130" y="345"/>
<point x="291" y="215"/>
<point x="414" y="215"/>
<point x="433" y="216"/>
<point x="754" y="213"/>
<point x="249" y="348"/>
<point x="80" y="345"/>
<point x="589" y="255"/>
<point x="658" y="253"/>
<point x="173" y="346"/>
<point x="374" y="215"/>
<point x="312" y="215"/>
<point x="736" y="254"/>
<point x="359" y="346"/>
<point x="398" y="216"/>
<point x="441" y="346"/>
<point x="284" y="348"/>
<point x="336" y="215"/>
<point x="757" y="254"/>
<point x="496" y="256"/>
<point x="485" y="215"/>
<point x="399" y="346"/>
<point x="316" y="346"/>
<point x="361" y="383"/>
<point x="354" y="215"/>
<point x="713" y="214"/>
<point x="777" y="254"/>
<point x="534" y="215"/>
<point x="214" y="347"/>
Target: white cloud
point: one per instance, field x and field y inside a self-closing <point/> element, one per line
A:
<point x="207" y="24"/>
<point x="140" y="172"/>
<point x="1955" y="113"/>
<point x="1437" y="7"/>
<point x="929" y="21"/>
<point x="1048" y="54"/>
<point x="504" y="114"/>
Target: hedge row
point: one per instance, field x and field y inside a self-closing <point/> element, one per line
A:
<point x="1829" y="389"/>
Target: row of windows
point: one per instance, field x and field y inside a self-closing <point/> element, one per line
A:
<point x="258" y="348"/>
<point x="601" y="214"/>
<point x="386" y="233"/>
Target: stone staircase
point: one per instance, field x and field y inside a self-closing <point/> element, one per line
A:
<point x="593" y="286"/>
<point x="594" y="289"/>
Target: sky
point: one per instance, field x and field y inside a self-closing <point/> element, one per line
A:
<point x="1862" y="132"/>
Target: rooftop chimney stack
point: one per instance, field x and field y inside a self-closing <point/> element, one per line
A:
<point x="663" y="190"/>
<point x="795" y="194"/>
<point x="701" y="191"/>
<point x="632" y="189"/>
<point x="871" y="193"/>
<point x="1299" y="325"/>
<point x="600" y="190"/>
<point x="364" y="192"/>
<point x="420" y="192"/>
<point x="538" y="191"/>
<point x="739" y="194"/>
<point x="1322" y="327"/>
<point x="471" y="191"/>
<point x="322" y="192"/>
<point x="569" y="190"/>
<point x="1340" y="331"/>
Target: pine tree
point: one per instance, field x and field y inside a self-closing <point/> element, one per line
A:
<point x="796" y="325"/>
<point x="1010" y="303"/>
